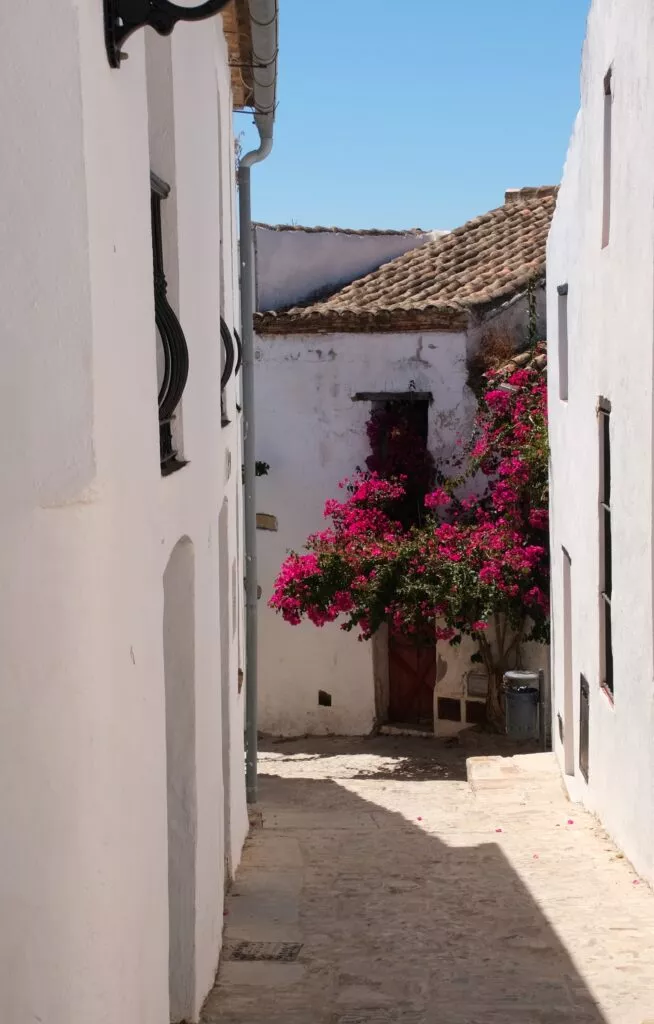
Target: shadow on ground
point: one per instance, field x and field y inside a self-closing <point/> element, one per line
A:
<point x="408" y="907"/>
<point x="388" y="757"/>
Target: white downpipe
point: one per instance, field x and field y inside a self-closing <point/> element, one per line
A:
<point x="263" y="15"/>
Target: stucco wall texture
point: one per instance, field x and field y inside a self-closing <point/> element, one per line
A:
<point x="90" y="525"/>
<point x="313" y="434"/>
<point x="294" y="264"/>
<point x="610" y="328"/>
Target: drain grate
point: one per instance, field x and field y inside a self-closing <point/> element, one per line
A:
<point x="279" y="952"/>
<point x="366" y="1017"/>
<point x="370" y="1016"/>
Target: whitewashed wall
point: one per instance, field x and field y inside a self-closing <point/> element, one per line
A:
<point x="610" y="330"/>
<point x="90" y="525"/>
<point x="312" y="435"/>
<point x="293" y="264"/>
<point x="512" y="317"/>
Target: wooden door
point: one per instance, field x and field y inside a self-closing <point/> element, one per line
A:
<point x="412" y="677"/>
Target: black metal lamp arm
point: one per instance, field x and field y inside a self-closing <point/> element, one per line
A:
<point x="123" y="17"/>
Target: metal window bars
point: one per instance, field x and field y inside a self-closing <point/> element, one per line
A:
<point x="173" y="342"/>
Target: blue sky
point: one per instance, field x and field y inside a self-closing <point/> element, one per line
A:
<point x="405" y="113"/>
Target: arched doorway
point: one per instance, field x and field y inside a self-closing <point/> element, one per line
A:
<point x="179" y="670"/>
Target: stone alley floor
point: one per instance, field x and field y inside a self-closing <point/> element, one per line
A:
<point x="398" y="892"/>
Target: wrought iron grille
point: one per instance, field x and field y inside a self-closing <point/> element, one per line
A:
<point x="173" y="342"/>
<point x="229" y="358"/>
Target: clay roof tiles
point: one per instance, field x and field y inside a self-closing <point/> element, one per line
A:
<point x="531" y="359"/>
<point x="321" y="229"/>
<point x="486" y="261"/>
<point x="236" y="26"/>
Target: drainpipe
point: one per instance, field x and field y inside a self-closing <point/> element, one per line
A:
<point x="263" y="18"/>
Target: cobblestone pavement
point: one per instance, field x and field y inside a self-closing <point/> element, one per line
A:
<point x="419" y="897"/>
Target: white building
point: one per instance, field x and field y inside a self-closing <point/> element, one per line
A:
<point x="601" y="314"/>
<point x="417" y="307"/>
<point x="121" y="628"/>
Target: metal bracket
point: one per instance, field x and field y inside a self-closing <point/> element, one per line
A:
<point x="123" y="17"/>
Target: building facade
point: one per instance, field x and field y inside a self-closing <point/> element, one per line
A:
<point x="405" y="330"/>
<point x="601" y="316"/>
<point x="121" y="625"/>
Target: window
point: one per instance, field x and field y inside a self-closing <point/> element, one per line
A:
<point x="563" y="342"/>
<point x="608" y="129"/>
<point x="172" y="351"/>
<point x="606" y="554"/>
<point x="228" y="361"/>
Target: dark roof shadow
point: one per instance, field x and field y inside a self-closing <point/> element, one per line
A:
<point x="400" y="927"/>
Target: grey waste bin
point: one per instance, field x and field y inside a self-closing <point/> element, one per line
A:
<point x="522" y="697"/>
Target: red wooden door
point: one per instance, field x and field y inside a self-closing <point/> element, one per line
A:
<point x="412" y="677"/>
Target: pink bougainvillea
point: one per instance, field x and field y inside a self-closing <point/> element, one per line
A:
<point x="465" y="564"/>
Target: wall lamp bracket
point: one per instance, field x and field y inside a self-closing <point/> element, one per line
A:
<point x="123" y="17"/>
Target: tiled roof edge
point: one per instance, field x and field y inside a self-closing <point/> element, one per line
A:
<point x="529" y="359"/>
<point x="381" y="321"/>
<point x="516" y="195"/>
<point x="343" y="231"/>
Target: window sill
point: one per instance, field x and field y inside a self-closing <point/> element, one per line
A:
<point x="172" y="466"/>
<point x="608" y="695"/>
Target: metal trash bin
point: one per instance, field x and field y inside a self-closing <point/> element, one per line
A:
<point x="522" y="700"/>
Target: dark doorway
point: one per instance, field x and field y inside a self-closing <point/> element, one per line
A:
<point x="398" y="432"/>
<point x="412" y="677"/>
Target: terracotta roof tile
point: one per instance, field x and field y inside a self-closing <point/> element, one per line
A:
<point x="484" y="262"/>
<point x="530" y="359"/>
<point x="236" y="26"/>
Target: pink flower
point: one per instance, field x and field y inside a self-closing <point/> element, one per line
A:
<point x="490" y="574"/>
<point x="539" y="518"/>
<point x="437" y="499"/>
<point x="519" y="378"/>
<point x="480" y="448"/>
<point x="367" y="566"/>
<point x="498" y="401"/>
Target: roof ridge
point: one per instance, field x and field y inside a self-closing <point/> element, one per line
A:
<point x="317" y="229"/>
<point x="485" y="261"/>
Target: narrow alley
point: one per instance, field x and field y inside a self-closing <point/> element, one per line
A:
<point x="403" y="881"/>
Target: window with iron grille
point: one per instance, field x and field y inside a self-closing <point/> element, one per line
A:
<point x="230" y="361"/>
<point x="606" y="553"/>
<point x="172" y="351"/>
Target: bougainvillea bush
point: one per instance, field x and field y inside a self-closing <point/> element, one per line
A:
<point x="474" y="566"/>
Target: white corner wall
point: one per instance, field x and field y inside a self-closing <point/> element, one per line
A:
<point x="313" y="435"/>
<point x="610" y="341"/>
<point x="89" y="524"/>
<point x="293" y="264"/>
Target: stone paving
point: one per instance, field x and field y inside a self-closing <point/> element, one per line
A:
<point x="425" y="892"/>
